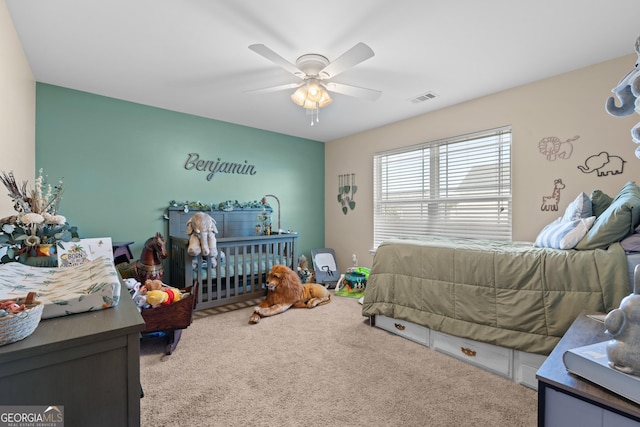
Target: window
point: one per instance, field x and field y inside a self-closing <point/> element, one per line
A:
<point x="454" y="187"/>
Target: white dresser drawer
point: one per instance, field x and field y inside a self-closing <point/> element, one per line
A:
<point x="491" y="357"/>
<point x="405" y="329"/>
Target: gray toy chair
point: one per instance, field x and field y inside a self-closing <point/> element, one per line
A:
<point x="325" y="267"/>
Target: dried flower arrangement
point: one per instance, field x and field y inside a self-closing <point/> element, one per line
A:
<point x="36" y="222"/>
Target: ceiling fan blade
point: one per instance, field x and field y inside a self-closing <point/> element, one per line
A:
<point x="275" y="88"/>
<point x="269" y="54"/>
<point x="360" y="52"/>
<point x="355" y="91"/>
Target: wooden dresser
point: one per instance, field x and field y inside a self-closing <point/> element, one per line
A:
<point x="87" y="362"/>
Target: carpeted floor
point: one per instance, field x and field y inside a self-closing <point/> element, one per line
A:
<point x="319" y="367"/>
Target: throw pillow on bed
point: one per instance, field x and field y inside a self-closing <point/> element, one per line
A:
<point x="618" y="221"/>
<point x="600" y="202"/>
<point x="579" y="208"/>
<point x="564" y="234"/>
<point x="632" y="243"/>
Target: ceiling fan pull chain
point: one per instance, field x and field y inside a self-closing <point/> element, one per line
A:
<point x="317" y="112"/>
<point x="311" y="117"/>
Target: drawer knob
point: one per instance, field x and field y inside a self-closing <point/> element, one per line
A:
<point x="399" y="326"/>
<point x="468" y="352"/>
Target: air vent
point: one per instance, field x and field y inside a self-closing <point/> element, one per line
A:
<point x="423" y="97"/>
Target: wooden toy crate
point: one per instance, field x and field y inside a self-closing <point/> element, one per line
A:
<point x="171" y="319"/>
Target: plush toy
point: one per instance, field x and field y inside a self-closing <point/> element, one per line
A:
<point x="623" y="325"/>
<point x="303" y="269"/>
<point x="130" y="283"/>
<point x="164" y="296"/>
<point x="140" y="301"/>
<point x="152" y="285"/>
<point x="202" y="230"/>
<point x="139" y="298"/>
<point x="628" y="93"/>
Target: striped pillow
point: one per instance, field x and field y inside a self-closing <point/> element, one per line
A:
<point x="579" y="208"/>
<point x="564" y="234"/>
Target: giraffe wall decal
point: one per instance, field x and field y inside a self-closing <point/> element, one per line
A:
<point x="550" y="203"/>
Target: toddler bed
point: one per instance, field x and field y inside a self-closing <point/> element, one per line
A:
<point x="243" y="261"/>
<point x="516" y="296"/>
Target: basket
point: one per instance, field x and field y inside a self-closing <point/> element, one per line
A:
<point x="15" y="327"/>
<point x="177" y="315"/>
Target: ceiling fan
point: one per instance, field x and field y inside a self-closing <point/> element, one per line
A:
<point x="316" y="72"/>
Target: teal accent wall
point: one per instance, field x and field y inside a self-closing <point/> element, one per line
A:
<point x="123" y="162"/>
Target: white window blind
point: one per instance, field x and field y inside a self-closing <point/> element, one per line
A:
<point x="455" y="187"/>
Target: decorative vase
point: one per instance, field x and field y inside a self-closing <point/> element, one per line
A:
<point x="46" y="249"/>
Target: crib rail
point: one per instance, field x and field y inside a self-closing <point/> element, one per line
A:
<point x="240" y="269"/>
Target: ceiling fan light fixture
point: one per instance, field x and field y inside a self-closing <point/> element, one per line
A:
<point x="325" y="99"/>
<point x="300" y="95"/>
<point x="315" y="70"/>
<point x="311" y="95"/>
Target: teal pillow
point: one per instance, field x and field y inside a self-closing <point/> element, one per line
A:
<point x="618" y="221"/>
<point x="600" y="202"/>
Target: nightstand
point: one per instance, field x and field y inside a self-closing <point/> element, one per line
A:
<point x="567" y="400"/>
<point x="122" y="252"/>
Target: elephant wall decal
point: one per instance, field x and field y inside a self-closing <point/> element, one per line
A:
<point x="604" y="164"/>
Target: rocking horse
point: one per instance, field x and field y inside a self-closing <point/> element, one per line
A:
<point x="149" y="266"/>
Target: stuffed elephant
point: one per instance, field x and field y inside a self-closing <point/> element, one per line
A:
<point x="202" y="230"/>
<point x="628" y="93"/>
<point x="623" y="325"/>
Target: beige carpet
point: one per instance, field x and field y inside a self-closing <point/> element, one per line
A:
<point x="320" y="367"/>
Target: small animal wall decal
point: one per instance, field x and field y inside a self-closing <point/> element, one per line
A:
<point x="550" y="203"/>
<point x="604" y="164"/>
<point x="346" y="189"/>
<point x="553" y="148"/>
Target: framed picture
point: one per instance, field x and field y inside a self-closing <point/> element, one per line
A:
<point x="76" y="253"/>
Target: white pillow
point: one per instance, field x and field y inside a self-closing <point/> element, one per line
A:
<point x="579" y="208"/>
<point x="564" y="234"/>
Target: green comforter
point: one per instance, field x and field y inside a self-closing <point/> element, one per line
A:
<point x="509" y="294"/>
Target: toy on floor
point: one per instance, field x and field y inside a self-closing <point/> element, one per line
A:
<point x="313" y="294"/>
<point x="303" y="269"/>
<point x="285" y="290"/>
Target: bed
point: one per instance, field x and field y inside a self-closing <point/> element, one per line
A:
<point x="238" y="272"/>
<point x="514" y="300"/>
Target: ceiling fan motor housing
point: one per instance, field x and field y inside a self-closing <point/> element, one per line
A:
<point x="311" y="64"/>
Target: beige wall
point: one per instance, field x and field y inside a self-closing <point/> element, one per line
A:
<point x="17" y="109"/>
<point x="562" y="106"/>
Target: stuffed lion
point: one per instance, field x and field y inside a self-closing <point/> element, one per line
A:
<point x="285" y="290"/>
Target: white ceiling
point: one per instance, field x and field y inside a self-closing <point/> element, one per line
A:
<point x="192" y="56"/>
